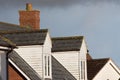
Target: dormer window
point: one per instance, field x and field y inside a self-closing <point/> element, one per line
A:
<point x="83" y="70"/>
<point x="47" y="66"/>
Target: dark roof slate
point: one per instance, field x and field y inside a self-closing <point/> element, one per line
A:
<point x="66" y="43"/>
<point x="10" y="27"/>
<point x="26" y="37"/>
<point x="59" y="72"/>
<point x="6" y="42"/>
<point x="24" y="66"/>
<point x="94" y="66"/>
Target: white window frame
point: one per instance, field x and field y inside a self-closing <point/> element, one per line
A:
<point x="47" y="65"/>
<point x="82" y="70"/>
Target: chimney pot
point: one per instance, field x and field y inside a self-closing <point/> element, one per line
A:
<point x="28" y="7"/>
<point x="29" y="18"/>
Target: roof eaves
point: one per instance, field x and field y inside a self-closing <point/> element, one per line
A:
<point x="64" y="50"/>
<point x="66" y="38"/>
<point x="23" y="31"/>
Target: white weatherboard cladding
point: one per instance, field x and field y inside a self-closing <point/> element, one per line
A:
<point x="47" y="44"/>
<point x="82" y="57"/>
<point x="47" y="52"/>
<point x="108" y="72"/>
<point x="33" y="56"/>
<point x="69" y="60"/>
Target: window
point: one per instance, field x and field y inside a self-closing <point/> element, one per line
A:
<point x="82" y="69"/>
<point x="47" y="65"/>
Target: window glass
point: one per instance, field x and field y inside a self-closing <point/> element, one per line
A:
<point x="47" y="65"/>
<point x="82" y="69"/>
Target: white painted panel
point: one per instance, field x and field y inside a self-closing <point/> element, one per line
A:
<point x="47" y="52"/>
<point x="83" y="53"/>
<point x="108" y="72"/>
<point x="70" y="61"/>
<point x="47" y="44"/>
<point x="33" y="56"/>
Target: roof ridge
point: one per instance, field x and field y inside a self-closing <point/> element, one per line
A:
<point x="23" y="31"/>
<point x="69" y="37"/>
<point x="9" y="24"/>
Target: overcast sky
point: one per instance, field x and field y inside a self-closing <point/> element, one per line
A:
<point x="97" y="20"/>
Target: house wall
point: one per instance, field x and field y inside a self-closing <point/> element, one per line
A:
<point x="47" y="52"/>
<point x="13" y="75"/>
<point x="83" y="53"/>
<point x="108" y="72"/>
<point x="71" y="60"/>
<point x="33" y="55"/>
<point x="3" y="66"/>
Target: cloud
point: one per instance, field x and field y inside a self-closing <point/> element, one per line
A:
<point x="54" y="3"/>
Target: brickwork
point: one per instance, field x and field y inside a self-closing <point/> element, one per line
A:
<point x="13" y="75"/>
<point x="30" y="19"/>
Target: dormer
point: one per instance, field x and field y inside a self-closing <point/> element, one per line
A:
<point x="71" y="53"/>
<point x="34" y="46"/>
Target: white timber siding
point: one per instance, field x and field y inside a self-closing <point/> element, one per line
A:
<point x="71" y="60"/>
<point x="109" y="72"/>
<point x="47" y="52"/>
<point x="3" y="66"/>
<point x="82" y="57"/>
<point x="33" y="55"/>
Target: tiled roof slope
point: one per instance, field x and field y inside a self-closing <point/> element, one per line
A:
<point x="26" y="37"/>
<point x="6" y="42"/>
<point x="66" y="43"/>
<point x="25" y="67"/>
<point x="9" y="27"/>
<point x="94" y="66"/>
<point x="59" y="72"/>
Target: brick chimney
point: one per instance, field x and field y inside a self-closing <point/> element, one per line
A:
<point x="29" y="18"/>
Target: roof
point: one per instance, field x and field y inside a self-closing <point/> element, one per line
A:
<point x="59" y="72"/>
<point x="25" y="37"/>
<point x="66" y="43"/>
<point x="22" y="65"/>
<point x="94" y="66"/>
<point x="88" y="56"/>
<point x="6" y="42"/>
<point x="10" y="27"/>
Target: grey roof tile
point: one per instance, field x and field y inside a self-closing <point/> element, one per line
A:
<point x="10" y="27"/>
<point x="59" y="72"/>
<point x="6" y="42"/>
<point x="26" y="37"/>
<point x="66" y="43"/>
<point x="24" y="66"/>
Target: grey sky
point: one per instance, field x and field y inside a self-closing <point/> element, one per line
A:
<point x="97" y="20"/>
<point x="55" y="3"/>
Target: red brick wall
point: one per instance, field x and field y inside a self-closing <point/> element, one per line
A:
<point x="30" y="19"/>
<point x="13" y="75"/>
